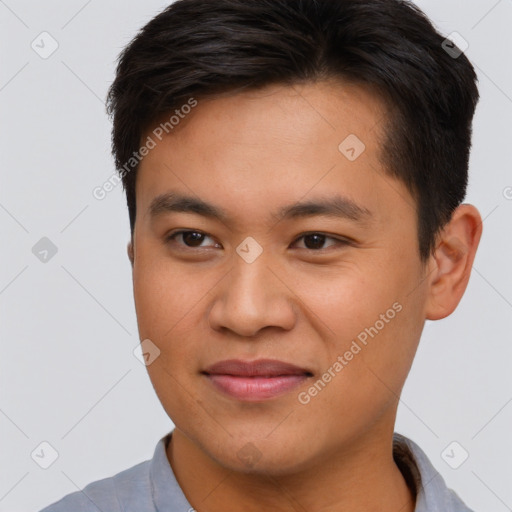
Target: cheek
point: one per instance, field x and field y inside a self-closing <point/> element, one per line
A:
<point x="346" y="298"/>
<point x="167" y="302"/>
<point x="165" y="295"/>
<point x="366" y="314"/>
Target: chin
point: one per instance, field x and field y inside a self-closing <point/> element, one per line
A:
<point x="260" y="456"/>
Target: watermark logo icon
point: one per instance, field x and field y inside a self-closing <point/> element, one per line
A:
<point x="146" y="352"/>
<point x="454" y="455"/>
<point x="45" y="45"/>
<point x="249" y="250"/>
<point x="249" y="454"/>
<point x="44" y="455"/>
<point x="352" y="147"/>
<point x="454" y="45"/>
<point x="44" y="250"/>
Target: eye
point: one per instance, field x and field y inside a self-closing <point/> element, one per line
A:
<point x="316" y="241"/>
<point x="189" y="238"/>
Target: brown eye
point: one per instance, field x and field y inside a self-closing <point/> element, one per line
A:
<point x="316" y="241"/>
<point x="192" y="238"/>
<point x="189" y="238"/>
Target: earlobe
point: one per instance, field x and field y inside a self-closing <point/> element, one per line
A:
<point x="452" y="261"/>
<point x="129" y="249"/>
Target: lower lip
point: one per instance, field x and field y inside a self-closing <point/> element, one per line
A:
<point x="255" y="388"/>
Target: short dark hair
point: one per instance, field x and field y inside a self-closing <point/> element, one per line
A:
<point x="201" y="48"/>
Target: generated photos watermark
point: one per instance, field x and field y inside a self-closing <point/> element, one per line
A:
<point x="361" y="341"/>
<point x="158" y="133"/>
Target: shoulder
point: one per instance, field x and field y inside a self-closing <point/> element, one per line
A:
<point x="127" y="491"/>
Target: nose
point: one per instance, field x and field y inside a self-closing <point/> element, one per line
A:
<point x="250" y="298"/>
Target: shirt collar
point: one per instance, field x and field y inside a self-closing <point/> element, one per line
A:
<point x="167" y="494"/>
<point x="432" y="495"/>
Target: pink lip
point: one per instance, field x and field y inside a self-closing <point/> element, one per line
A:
<point x="255" y="380"/>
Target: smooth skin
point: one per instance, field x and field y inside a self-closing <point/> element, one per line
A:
<point x="303" y="300"/>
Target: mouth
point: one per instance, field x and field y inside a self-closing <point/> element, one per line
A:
<point x="254" y="381"/>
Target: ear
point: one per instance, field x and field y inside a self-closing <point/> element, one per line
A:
<point x="451" y="263"/>
<point x="129" y="249"/>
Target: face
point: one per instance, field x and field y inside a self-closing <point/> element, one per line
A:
<point x="298" y="247"/>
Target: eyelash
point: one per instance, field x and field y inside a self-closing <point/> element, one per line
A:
<point x="340" y="241"/>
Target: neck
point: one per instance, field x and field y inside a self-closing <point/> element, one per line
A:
<point x="352" y="479"/>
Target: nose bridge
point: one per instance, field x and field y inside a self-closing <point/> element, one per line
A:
<point x="251" y="298"/>
<point x="251" y="282"/>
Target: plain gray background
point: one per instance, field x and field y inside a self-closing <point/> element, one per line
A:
<point x="68" y="373"/>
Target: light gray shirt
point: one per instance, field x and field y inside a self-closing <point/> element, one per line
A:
<point x="152" y="487"/>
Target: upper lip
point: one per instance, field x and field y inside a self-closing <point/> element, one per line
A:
<point x="258" y="368"/>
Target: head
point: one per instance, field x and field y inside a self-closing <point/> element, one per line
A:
<point x="317" y="154"/>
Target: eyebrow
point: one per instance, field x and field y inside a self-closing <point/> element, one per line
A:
<point x="336" y="206"/>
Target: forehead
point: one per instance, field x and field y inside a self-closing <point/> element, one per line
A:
<point x="295" y="112"/>
<point x="271" y="146"/>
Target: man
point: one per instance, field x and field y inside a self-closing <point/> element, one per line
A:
<point x="294" y="171"/>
